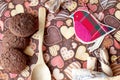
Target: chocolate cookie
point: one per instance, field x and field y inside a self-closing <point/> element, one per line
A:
<point x="23" y="25"/>
<point x="10" y="40"/>
<point x="13" y="61"/>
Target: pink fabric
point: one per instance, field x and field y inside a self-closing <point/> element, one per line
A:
<point x="82" y="32"/>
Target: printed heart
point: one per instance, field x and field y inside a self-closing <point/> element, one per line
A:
<point x="36" y="35"/>
<point x="57" y="74"/>
<point x="74" y="45"/>
<point x="92" y="7"/>
<point x="67" y="32"/>
<point x="57" y="61"/>
<point x="112" y="50"/>
<point x="50" y="17"/>
<point x="1" y="25"/>
<point x="18" y="9"/>
<point x="53" y="36"/>
<point x="73" y="65"/>
<point x="82" y="8"/>
<point x="54" y="50"/>
<point x="10" y="5"/>
<point x="93" y="1"/>
<point x="59" y="23"/>
<point x="69" y="22"/>
<point x="107" y="42"/>
<point x="100" y="16"/>
<point x="116" y="44"/>
<point x="34" y="2"/>
<point x="12" y="75"/>
<point x="81" y="53"/>
<point x="7" y="13"/>
<point x="71" y="6"/>
<point x="117" y="36"/>
<point x="112" y="11"/>
<point x="66" y="54"/>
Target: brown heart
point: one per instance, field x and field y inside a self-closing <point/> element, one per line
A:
<point x="53" y="36"/>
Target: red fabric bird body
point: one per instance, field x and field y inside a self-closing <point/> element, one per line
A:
<point x="89" y="30"/>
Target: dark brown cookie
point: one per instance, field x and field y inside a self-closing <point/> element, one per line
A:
<point x="10" y="40"/>
<point x="23" y="25"/>
<point x="13" y="61"/>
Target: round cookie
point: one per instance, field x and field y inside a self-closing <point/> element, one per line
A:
<point x="10" y="40"/>
<point x="13" y="61"/>
<point x="23" y="25"/>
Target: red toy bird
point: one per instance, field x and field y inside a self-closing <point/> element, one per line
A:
<point x="90" y="30"/>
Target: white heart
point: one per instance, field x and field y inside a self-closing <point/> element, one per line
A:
<point x="93" y="1"/>
<point x="57" y="74"/>
<point x="81" y="53"/>
<point x="117" y="14"/>
<point x="10" y="5"/>
<point x="36" y="35"/>
<point x="74" y="45"/>
<point x="54" y="50"/>
<point x="67" y="32"/>
<point x="18" y="9"/>
<point x="34" y="2"/>
<point x="66" y="54"/>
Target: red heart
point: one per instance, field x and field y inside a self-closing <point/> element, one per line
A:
<point x="92" y="7"/>
<point x="27" y="4"/>
<point x="13" y="75"/>
<point x="112" y="11"/>
<point x="59" y="23"/>
<point x="57" y="61"/>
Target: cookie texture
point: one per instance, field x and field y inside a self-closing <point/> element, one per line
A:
<point x="23" y="25"/>
<point x="10" y="40"/>
<point x="12" y="60"/>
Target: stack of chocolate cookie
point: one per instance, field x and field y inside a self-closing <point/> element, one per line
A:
<point x="15" y="40"/>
